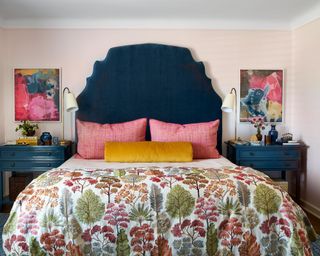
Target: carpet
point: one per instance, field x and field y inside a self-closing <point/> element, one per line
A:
<point x="316" y="247"/>
<point x="3" y="219"/>
<point x="4" y="216"/>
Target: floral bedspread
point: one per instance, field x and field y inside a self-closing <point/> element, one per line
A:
<point x="156" y="211"/>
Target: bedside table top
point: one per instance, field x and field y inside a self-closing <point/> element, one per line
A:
<point x="261" y="147"/>
<point x="31" y="147"/>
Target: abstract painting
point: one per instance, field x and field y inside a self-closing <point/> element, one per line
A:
<point x="37" y="94"/>
<point x="261" y="94"/>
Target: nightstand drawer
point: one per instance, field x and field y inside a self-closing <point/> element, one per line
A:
<point x="282" y="154"/>
<point x="270" y="164"/>
<point x="7" y="165"/>
<point x="35" y="154"/>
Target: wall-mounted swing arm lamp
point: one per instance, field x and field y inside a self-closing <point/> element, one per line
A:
<point x="69" y="104"/>
<point x="230" y="105"/>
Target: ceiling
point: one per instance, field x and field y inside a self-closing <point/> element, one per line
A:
<point x="216" y="14"/>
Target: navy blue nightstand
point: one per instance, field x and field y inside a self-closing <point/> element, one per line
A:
<point x="269" y="158"/>
<point x="16" y="158"/>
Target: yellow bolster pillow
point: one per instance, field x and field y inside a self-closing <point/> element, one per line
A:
<point x="148" y="151"/>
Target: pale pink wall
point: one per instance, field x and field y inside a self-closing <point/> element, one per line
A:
<point x="75" y="51"/>
<point x="306" y="89"/>
<point x="223" y="52"/>
<point x="1" y="86"/>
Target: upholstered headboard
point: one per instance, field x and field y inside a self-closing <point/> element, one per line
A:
<point x="149" y="80"/>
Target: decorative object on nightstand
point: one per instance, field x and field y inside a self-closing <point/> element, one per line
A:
<point x="230" y="105"/>
<point x="70" y="105"/>
<point x="259" y="124"/>
<point x="46" y="138"/>
<point x="273" y="133"/>
<point x="33" y="141"/>
<point x="273" y="158"/>
<point x="291" y="143"/>
<point x="55" y="141"/>
<point x="27" y="129"/>
<point x="267" y="140"/>
<point x="26" y="159"/>
<point x="286" y="137"/>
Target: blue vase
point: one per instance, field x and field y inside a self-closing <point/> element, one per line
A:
<point x="273" y="133"/>
<point x="46" y="138"/>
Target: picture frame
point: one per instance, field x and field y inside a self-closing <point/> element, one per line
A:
<point x="37" y="94"/>
<point x="262" y="94"/>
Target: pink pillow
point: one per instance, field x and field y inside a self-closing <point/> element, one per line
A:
<point x="203" y="136"/>
<point x="92" y="136"/>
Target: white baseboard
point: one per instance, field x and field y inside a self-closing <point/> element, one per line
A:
<point x="310" y="208"/>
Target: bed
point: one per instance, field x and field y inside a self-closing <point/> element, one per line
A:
<point x="203" y="207"/>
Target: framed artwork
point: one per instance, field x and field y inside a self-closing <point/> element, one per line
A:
<point x="261" y="94"/>
<point x="37" y="94"/>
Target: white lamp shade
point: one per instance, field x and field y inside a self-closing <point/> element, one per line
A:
<point x="70" y="103"/>
<point x="228" y="104"/>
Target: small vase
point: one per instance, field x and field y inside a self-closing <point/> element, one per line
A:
<point x="273" y="133"/>
<point x="259" y="136"/>
<point x="46" y="138"/>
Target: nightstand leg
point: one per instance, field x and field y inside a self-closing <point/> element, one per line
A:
<point x="298" y="186"/>
<point x="283" y="175"/>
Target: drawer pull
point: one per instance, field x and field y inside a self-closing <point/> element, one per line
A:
<point x="49" y="153"/>
<point x="12" y="154"/>
<point x="12" y="164"/>
<point x="251" y="153"/>
<point x="48" y="165"/>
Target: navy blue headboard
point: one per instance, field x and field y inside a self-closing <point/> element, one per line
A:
<point x="149" y="80"/>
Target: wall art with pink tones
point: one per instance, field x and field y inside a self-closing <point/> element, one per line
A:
<point x="261" y="94"/>
<point x="37" y="94"/>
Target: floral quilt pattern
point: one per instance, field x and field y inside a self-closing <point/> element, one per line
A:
<point x="156" y="211"/>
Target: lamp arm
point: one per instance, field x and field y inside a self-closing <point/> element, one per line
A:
<point x="63" y="92"/>
<point x="65" y="89"/>
<point x="233" y="90"/>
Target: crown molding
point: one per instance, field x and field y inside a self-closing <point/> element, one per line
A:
<point x="144" y="24"/>
<point x="309" y="16"/>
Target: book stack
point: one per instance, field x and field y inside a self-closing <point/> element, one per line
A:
<point x="27" y="140"/>
<point x="291" y="143"/>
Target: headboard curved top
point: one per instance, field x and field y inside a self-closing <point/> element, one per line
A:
<point x="149" y="80"/>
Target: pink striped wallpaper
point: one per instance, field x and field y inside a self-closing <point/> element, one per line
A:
<point x="223" y="52"/>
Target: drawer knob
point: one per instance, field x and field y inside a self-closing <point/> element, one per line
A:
<point x="48" y="165"/>
<point x="12" y="154"/>
<point x="251" y="153"/>
<point x="12" y="164"/>
<point x="49" y="153"/>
